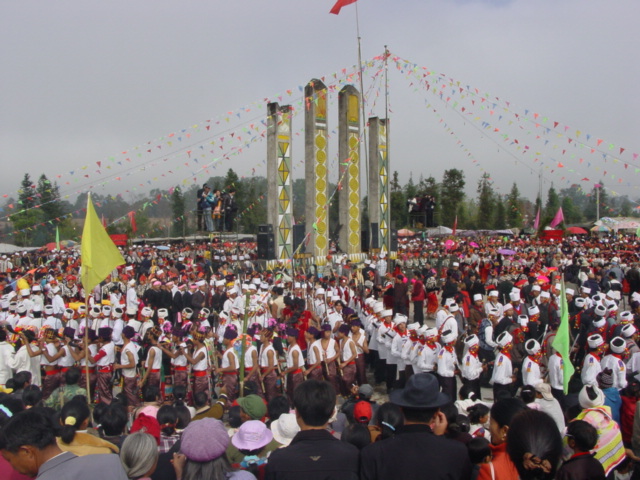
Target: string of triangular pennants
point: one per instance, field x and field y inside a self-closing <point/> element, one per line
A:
<point x="102" y="167"/>
<point x="422" y="76"/>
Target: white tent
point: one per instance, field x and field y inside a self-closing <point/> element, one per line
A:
<point x="7" y="248"/>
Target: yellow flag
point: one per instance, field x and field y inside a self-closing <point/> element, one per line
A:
<point x="99" y="255"/>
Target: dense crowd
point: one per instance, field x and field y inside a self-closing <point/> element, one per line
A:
<point x="193" y="361"/>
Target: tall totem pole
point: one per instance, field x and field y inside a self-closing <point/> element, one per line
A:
<point x="349" y="159"/>
<point x="379" y="181"/>
<point x="279" y="177"/>
<point x="315" y="161"/>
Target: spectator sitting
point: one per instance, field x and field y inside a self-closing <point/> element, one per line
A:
<point x="479" y="449"/>
<point x="314" y="453"/>
<point x="168" y="419"/>
<point x="204" y="409"/>
<point x="64" y="393"/>
<point x="114" y="421"/>
<point x="254" y="443"/>
<point x="356" y="434"/>
<point x="202" y="453"/>
<point x="534" y="445"/>
<point x="32" y="396"/>
<point x="139" y="456"/>
<point x="29" y="444"/>
<point x="74" y="419"/>
<point x="284" y="429"/>
<point x="253" y="408"/>
<point x="581" y="438"/>
<point x="277" y="406"/>
<point x="389" y="420"/>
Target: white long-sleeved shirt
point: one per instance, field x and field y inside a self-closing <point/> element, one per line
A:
<point x="590" y="369"/>
<point x="427" y="358"/>
<point x="502" y="370"/>
<point x="471" y="367"/>
<point x="618" y="368"/>
<point x="556" y="374"/>
<point x="447" y="362"/>
<point x="531" y="374"/>
<point x="397" y="346"/>
<point x="6" y="357"/>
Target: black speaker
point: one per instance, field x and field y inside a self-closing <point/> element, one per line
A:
<point x="266" y="246"/>
<point x="364" y="240"/>
<point x="393" y="240"/>
<point x="375" y="236"/>
<point x="299" y="237"/>
<point x="266" y="228"/>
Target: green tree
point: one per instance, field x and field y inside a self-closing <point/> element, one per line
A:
<point x="451" y="194"/>
<point x="395" y="183"/>
<point x="571" y="213"/>
<point x="178" y="210"/>
<point x="513" y="213"/>
<point x="553" y="203"/>
<point x="486" y="202"/>
<point x="26" y="217"/>
<point x="500" y="217"/>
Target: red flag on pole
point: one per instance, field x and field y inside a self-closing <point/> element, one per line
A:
<point x="132" y="219"/>
<point x="455" y="225"/>
<point x="339" y="4"/>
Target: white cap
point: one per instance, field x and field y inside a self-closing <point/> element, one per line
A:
<point x="386" y="313"/>
<point x="613" y="294"/>
<point x="106" y="310"/>
<point x="471" y="340"/>
<point x="628" y="330"/>
<point x="493" y="293"/>
<point x="557" y="286"/>
<point x="132" y="311"/>
<point x="146" y="312"/>
<point x="163" y="313"/>
<point x="514" y="296"/>
<point x="448" y="337"/>
<point x="601" y="310"/>
<point x="48" y="309"/>
<point x="378" y="307"/>
<point x="454" y="307"/>
<point x="595" y="341"/>
<point x="585" y="289"/>
<point x="493" y="311"/>
<point x="423" y="330"/>
<point x="523" y="320"/>
<point x="201" y="283"/>
<point x="456" y="264"/>
<point x="431" y="333"/>
<point x="618" y="345"/>
<point x="95" y="311"/>
<point x="413" y="326"/>
<point x="24" y="292"/>
<point x="570" y="291"/>
<point x="536" y="288"/>
<point x="599" y="322"/>
<point x="533" y="310"/>
<point x="400" y="318"/>
<point x="477" y="297"/>
<point x="21" y="308"/>
<point x="580" y="302"/>
<point x="532" y="346"/>
<point x="626" y="317"/>
<point x="507" y="307"/>
<point x="545" y="295"/>
<point x="320" y="291"/>
<point x="503" y="339"/>
<point x="36" y="288"/>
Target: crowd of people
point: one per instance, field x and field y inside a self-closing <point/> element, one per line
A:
<point x="193" y="361"/>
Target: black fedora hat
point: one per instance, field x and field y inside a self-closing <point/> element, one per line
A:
<point x="422" y="391"/>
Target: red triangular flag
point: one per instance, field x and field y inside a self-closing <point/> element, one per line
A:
<point x="339" y="4"/>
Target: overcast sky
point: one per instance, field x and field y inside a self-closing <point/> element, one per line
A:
<point x="84" y="81"/>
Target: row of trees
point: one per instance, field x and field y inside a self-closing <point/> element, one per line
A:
<point x="39" y="208"/>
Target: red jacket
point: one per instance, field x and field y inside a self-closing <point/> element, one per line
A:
<point x="627" y="412"/>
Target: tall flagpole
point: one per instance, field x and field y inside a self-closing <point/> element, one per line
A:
<point x="363" y="123"/>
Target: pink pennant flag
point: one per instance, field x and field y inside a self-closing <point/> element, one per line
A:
<point x="559" y="218"/>
<point x="536" y="222"/>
